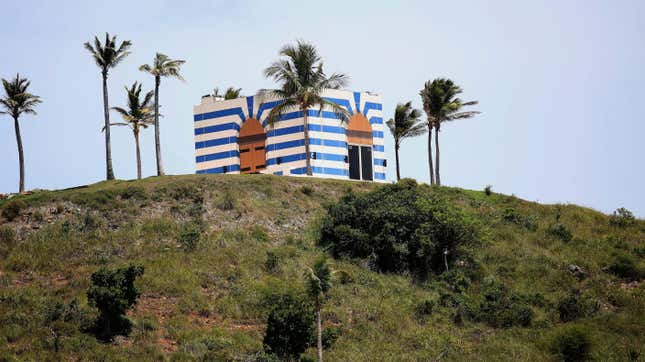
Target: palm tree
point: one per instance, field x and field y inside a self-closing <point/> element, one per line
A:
<point x="107" y="56"/>
<point x="405" y="124"/>
<point x="232" y="93"/>
<point x="442" y="105"/>
<point x="162" y="66"/>
<point x="318" y="283"/>
<point x="138" y="115"/>
<point x="302" y="81"/>
<point x="16" y="102"/>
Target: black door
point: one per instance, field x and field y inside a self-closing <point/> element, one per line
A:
<point x="354" y="162"/>
<point x="366" y="162"/>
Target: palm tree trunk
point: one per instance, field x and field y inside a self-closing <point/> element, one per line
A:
<point x="136" y="141"/>
<point x="157" y="140"/>
<point x="21" y="157"/>
<point x="436" y="164"/>
<point x="307" y="153"/>
<point x="319" y="325"/>
<point x="430" y="155"/>
<point x="396" y="154"/>
<point x="108" y="147"/>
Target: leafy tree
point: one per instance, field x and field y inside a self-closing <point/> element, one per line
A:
<point x="302" y="81"/>
<point x="230" y="93"/>
<point x="16" y="102"/>
<point x="162" y="66"/>
<point x="113" y="292"/>
<point x="107" y="56"/>
<point x="138" y="115"/>
<point x="289" y="327"/>
<point x="405" y="124"/>
<point x="441" y="104"/>
<point x="572" y="344"/>
<point x="318" y="283"/>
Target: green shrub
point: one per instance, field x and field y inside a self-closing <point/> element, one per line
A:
<point x="400" y="227"/>
<point x="344" y="277"/>
<point x="625" y="267"/>
<point x="622" y="218"/>
<point x="307" y="190"/>
<point x="38" y="216"/>
<point x="272" y="262"/>
<point x="488" y="190"/>
<point x="259" y="233"/>
<point x="186" y="192"/>
<point x="7" y="236"/>
<point x="511" y="216"/>
<point x="290" y="327"/>
<point x="570" y="309"/>
<point x="560" y="231"/>
<point x="12" y="209"/>
<point x="226" y="202"/>
<point x="189" y="236"/>
<point x="424" y="308"/>
<point x="572" y="344"/>
<point x="329" y="336"/>
<point x="90" y="222"/>
<point x="134" y="192"/>
<point x="499" y="308"/>
<point x="113" y="292"/>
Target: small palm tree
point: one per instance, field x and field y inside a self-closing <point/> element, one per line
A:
<point x="302" y="81"/>
<point x="162" y="66"/>
<point x="232" y="93"/>
<point x="318" y="283"/>
<point x="138" y="115"/>
<point x="16" y="102"/>
<point x="405" y="124"/>
<point x="441" y="104"/>
<point x="107" y="56"/>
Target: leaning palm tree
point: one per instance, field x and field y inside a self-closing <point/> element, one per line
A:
<point x="107" y="56"/>
<point x="232" y="93"/>
<point x="441" y="104"/>
<point x="16" y="102"/>
<point x="162" y="66"/>
<point x="318" y="283"/>
<point x="302" y="81"/>
<point x="405" y="124"/>
<point x="138" y="115"/>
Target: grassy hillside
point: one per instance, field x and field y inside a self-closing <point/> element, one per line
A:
<point x="208" y="299"/>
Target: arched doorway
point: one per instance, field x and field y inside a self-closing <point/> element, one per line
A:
<point x="251" y="143"/>
<point x="359" y="148"/>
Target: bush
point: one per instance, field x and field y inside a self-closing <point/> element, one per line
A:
<point x="510" y="215"/>
<point x="401" y="227"/>
<point x="499" y="308"/>
<point x="290" y="327"/>
<point x="572" y="344"/>
<point x="570" y="309"/>
<point x="329" y="336"/>
<point x="272" y="262"/>
<point x="424" y="308"/>
<point x="113" y="292"/>
<point x="622" y="218"/>
<point x="226" y="202"/>
<point x="561" y="232"/>
<point x="488" y="190"/>
<point x="134" y="192"/>
<point x="190" y="236"/>
<point x="258" y="233"/>
<point x="12" y="209"/>
<point x="307" y="190"/>
<point x="625" y="267"/>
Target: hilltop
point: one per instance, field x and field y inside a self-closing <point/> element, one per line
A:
<point x="206" y="297"/>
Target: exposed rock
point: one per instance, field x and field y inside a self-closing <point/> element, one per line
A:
<point x="577" y="271"/>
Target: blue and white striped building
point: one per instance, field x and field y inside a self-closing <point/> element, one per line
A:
<point x="232" y="136"/>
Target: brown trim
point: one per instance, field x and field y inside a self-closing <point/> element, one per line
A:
<point x="252" y="138"/>
<point x="359" y="134"/>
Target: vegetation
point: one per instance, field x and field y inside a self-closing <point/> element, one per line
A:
<point x="162" y="66"/>
<point x="572" y="344"/>
<point x="289" y="327"/>
<point x="405" y="124"/>
<point x="318" y="284"/>
<point x="137" y="116"/>
<point x="215" y="303"/>
<point x="302" y="81"/>
<point x="107" y="56"/>
<point x="441" y="104"/>
<point x="16" y="102"/>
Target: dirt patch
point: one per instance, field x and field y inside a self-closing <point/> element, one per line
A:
<point x="159" y="306"/>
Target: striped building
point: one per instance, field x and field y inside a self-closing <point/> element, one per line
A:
<point x="232" y="136"/>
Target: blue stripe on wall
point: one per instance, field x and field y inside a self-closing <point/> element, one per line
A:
<point x="217" y="156"/>
<point x="357" y="101"/>
<point x="221" y="113"/>
<point x="249" y="105"/>
<point x="330" y="143"/>
<point x="370" y="105"/>
<point x="285" y="159"/>
<point x="217" y="128"/>
<point x="330" y="171"/>
<point x="379" y="175"/>
<point x="327" y="129"/>
<point x="268" y="105"/>
<point x="216" y="142"/>
<point x="283" y="145"/>
<point x="379" y="148"/>
<point x="229" y="168"/>
<point x="376" y="120"/>
<point x="379" y="162"/>
<point x="285" y="131"/>
<point x="341" y="102"/>
<point x="377" y="134"/>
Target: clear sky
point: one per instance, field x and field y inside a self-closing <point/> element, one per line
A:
<point x="560" y="84"/>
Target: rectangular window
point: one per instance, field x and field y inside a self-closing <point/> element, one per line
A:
<point x="366" y="162"/>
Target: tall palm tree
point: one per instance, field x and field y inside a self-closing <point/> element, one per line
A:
<point x="108" y="55"/>
<point x="318" y="283"/>
<point x="405" y="124"/>
<point x="16" y="102"/>
<point x="441" y="103"/>
<point x="138" y="115"/>
<point x="302" y="81"/>
<point x="162" y="66"/>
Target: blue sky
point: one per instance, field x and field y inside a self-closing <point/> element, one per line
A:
<point x="560" y="84"/>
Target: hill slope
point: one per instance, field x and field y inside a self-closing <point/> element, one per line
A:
<point x="208" y="299"/>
